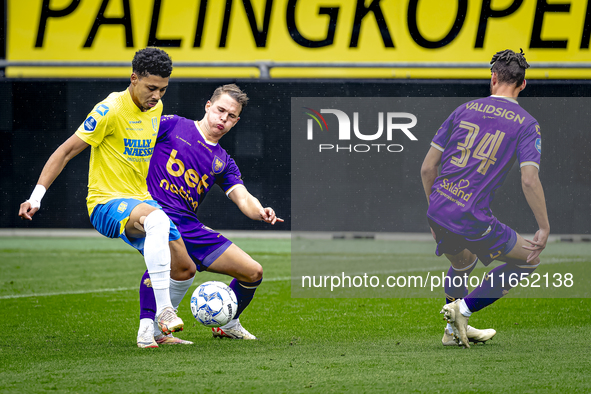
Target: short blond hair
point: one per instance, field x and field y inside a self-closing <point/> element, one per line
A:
<point x="231" y="90"/>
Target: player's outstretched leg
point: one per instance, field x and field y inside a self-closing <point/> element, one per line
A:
<point x="452" y="313"/>
<point x="455" y="288"/>
<point x="473" y="334"/>
<point x="496" y="285"/>
<point x="248" y="275"/>
<point x="157" y="257"/>
<point x="489" y="291"/>
<point x="145" y="336"/>
<point x="244" y="294"/>
<point x="148" y="325"/>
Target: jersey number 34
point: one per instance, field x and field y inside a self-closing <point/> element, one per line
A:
<point x="485" y="151"/>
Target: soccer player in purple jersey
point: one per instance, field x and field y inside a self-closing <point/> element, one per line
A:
<point x="476" y="147"/>
<point x="187" y="162"/>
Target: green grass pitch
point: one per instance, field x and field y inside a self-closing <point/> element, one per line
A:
<point x="69" y="313"/>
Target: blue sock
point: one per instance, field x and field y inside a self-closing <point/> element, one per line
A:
<point x="147" y="299"/>
<point x="456" y="290"/>
<point x="491" y="289"/>
<point x="244" y="293"/>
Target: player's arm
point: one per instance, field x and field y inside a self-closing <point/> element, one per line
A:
<point x="534" y="194"/>
<point x="430" y="170"/>
<point x="54" y="166"/>
<point x="251" y="206"/>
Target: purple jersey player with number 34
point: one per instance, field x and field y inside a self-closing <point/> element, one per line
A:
<point x="476" y="147"/>
<point x="187" y="162"/>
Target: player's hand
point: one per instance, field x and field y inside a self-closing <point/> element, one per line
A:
<point x="28" y="209"/>
<point x="538" y="244"/>
<point x="268" y="215"/>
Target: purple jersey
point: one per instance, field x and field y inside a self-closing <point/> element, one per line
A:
<point x="184" y="166"/>
<point x="480" y="141"/>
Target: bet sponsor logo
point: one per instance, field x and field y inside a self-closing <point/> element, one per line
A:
<point x="389" y="124"/>
<point x="192" y="180"/>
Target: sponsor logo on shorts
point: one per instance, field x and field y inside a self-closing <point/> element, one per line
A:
<point x="496" y="254"/>
<point x="90" y="124"/>
<point x="122" y="207"/>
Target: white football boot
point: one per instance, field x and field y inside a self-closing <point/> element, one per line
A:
<point x="474" y="335"/>
<point x="169" y="322"/>
<point x="145" y="338"/>
<point x="451" y="313"/>
<point x="170" y="340"/>
<point x="233" y="330"/>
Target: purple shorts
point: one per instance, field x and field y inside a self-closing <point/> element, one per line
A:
<point x="203" y="244"/>
<point x="499" y="241"/>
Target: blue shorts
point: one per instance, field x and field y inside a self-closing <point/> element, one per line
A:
<point x="110" y="219"/>
<point x="203" y="244"/>
<point x="498" y="242"/>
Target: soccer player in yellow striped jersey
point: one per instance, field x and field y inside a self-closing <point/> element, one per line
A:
<point x="122" y="131"/>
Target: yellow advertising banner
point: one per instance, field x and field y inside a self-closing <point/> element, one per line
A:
<point x="298" y="38"/>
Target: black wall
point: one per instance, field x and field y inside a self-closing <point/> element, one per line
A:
<point x="36" y="116"/>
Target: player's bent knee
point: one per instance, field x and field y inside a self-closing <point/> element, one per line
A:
<point x="256" y="273"/>
<point x="157" y="221"/>
<point x="192" y="270"/>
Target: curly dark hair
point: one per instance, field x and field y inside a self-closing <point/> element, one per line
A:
<point x="509" y="66"/>
<point x="233" y="91"/>
<point x="152" y="61"/>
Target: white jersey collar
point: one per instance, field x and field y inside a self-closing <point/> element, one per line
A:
<point x="208" y="142"/>
<point x="506" y="98"/>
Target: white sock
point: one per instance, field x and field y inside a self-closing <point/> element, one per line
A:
<point x="178" y="289"/>
<point x="157" y="257"/>
<point x="157" y="330"/>
<point x="464" y="310"/>
<point x="145" y="324"/>
<point x="231" y="324"/>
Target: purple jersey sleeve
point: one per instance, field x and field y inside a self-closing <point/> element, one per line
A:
<point x="442" y="136"/>
<point x="231" y="176"/>
<point x="167" y="123"/>
<point x="529" y="147"/>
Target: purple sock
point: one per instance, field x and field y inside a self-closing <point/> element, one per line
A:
<point x="455" y="290"/>
<point x="244" y="293"/>
<point x="147" y="299"/>
<point x="492" y="289"/>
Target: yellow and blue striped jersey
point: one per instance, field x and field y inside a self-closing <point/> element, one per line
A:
<point x="122" y="139"/>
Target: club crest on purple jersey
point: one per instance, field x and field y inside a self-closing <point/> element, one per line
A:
<point x="218" y="165"/>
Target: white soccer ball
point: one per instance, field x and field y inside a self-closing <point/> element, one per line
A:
<point x="214" y="304"/>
